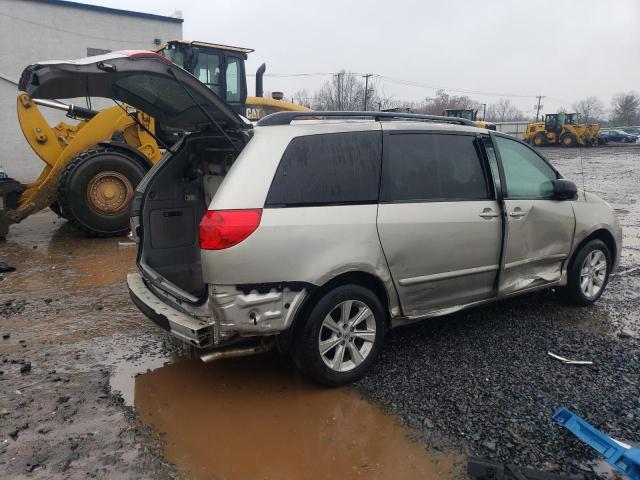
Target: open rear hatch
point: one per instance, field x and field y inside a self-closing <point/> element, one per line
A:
<point x="172" y="198"/>
<point x="145" y="80"/>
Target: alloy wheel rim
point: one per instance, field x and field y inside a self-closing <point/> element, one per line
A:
<point x="593" y="274"/>
<point x="347" y="335"/>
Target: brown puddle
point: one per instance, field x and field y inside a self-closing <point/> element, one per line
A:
<point x="255" y="418"/>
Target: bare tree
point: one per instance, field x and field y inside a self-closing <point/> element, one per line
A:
<point x="626" y="108"/>
<point x="443" y="101"/>
<point x="304" y="98"/>
<point x="504" y="111"/>
<point x="343" y="92"/>
<point x="590" y="110"/>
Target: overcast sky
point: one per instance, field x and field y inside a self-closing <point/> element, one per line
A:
<point x="563" y="49"/>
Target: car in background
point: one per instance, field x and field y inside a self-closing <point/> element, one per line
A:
<point x="632" y="131"/>
<point x="619" y="136"/>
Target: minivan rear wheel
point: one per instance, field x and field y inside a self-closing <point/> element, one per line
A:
<point x="588" y="274"/>
<point x="341" y="337"/>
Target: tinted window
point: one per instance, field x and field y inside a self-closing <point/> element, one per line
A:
<point x="527" y="175"/>
<point x="431" y="167"/>
<point x="340" y="168"/>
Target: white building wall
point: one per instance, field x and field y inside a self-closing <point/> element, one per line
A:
<point x="34" y="30"/>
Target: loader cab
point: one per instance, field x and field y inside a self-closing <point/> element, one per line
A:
<point x="466" y="114"/>
<point x="219" y="67"/>
<point x="553" y="122"/>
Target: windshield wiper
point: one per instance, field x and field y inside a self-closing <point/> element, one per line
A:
<point x="207" y="114"/>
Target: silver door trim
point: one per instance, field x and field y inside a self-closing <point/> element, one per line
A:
<point x="446" y="275"/>
<point x="559" y="256"/>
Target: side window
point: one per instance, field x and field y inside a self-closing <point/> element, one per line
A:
<point x="340" y="168"/>
<point x="428" y="167"/>
<point x="526" y="174"/>
<point x="208" y="71"/>
<point x="233" y="79"/>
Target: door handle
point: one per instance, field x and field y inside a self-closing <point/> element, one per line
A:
<point x="488" y="213"/>
<point x="517" y="213"/>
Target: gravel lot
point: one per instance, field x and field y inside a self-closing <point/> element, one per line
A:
<point x="478" y="382"/>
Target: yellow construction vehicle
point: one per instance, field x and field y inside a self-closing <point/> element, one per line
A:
<point x="93" y="166"/>
<point x="561" y="129"/>
<point x="469" y="115"/>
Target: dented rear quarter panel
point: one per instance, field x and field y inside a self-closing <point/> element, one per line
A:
<point x="304" y="244"/>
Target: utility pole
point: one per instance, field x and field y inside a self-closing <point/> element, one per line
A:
<point x="484" y="112"/>
<point x="540" y="97"/>
<point x="366" y="88"/>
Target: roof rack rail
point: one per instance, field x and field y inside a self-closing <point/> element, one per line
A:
<point x="285" y="118"/>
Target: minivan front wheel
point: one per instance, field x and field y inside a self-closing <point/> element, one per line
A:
<point x="340" y="339"/>
<point x="588" y="274"/>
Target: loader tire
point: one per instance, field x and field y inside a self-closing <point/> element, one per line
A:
<point x="95" y="188"/>
<point x="568" y="140"/>
<point x="539" y="140"/>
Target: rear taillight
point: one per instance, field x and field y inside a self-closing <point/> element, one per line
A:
<point x="220" y="229"/>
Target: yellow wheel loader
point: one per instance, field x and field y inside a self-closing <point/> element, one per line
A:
<point x="561" y="129"/>
<point x="92" y="166"/>
<point x="470" y="115"/>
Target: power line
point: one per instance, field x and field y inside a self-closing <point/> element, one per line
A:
<point x="449" y="89"/>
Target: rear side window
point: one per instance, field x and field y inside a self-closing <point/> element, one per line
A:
<point x="328" y="169"/>
<point x="432" y="167"/>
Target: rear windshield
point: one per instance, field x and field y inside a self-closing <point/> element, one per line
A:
<point x="330" y="169"/>
<point x="165" y="93"/>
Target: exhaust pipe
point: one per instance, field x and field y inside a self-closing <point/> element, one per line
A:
<point x="234" y="353"/>
<point x="259" y="75"/>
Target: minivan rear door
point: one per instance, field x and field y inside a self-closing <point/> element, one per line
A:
<point x="438" y="220"/>
<point x="145" y="80"/>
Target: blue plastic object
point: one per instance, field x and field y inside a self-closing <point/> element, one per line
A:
<point x="625" y="460"/>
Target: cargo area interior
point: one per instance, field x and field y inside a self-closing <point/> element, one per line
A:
<point x="176" y="198"/>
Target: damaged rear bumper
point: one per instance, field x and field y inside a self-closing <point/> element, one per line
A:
<point x="198" y="332"/>
<point x="227" y="314"/>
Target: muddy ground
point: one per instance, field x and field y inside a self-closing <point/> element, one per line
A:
<point x="90" y="388"/>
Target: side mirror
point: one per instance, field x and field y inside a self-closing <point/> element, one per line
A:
<point x="564" y="189"/>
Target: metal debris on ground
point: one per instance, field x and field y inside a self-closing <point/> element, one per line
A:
<point x="620" y="456"/>
<point x="5" y="267"/>
<point x="570" y="362"/>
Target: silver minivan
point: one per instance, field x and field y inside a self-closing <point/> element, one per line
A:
<point x="317" y="235"/>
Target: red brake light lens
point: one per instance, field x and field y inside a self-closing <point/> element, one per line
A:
<point x="220" y="229"/>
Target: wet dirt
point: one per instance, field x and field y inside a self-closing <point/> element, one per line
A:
<point x="89" y="387"/>
<point x="256" y="418"/>
<point x="109" y="395"/>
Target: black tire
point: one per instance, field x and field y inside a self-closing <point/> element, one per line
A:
<point x="305" y="347"/>
<point x="55" y="207"/>
<point x="568" y="140"/>
<point x="83" y="174"/>
<point x="539" y="140"/>
<point x="572" y="292"/>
